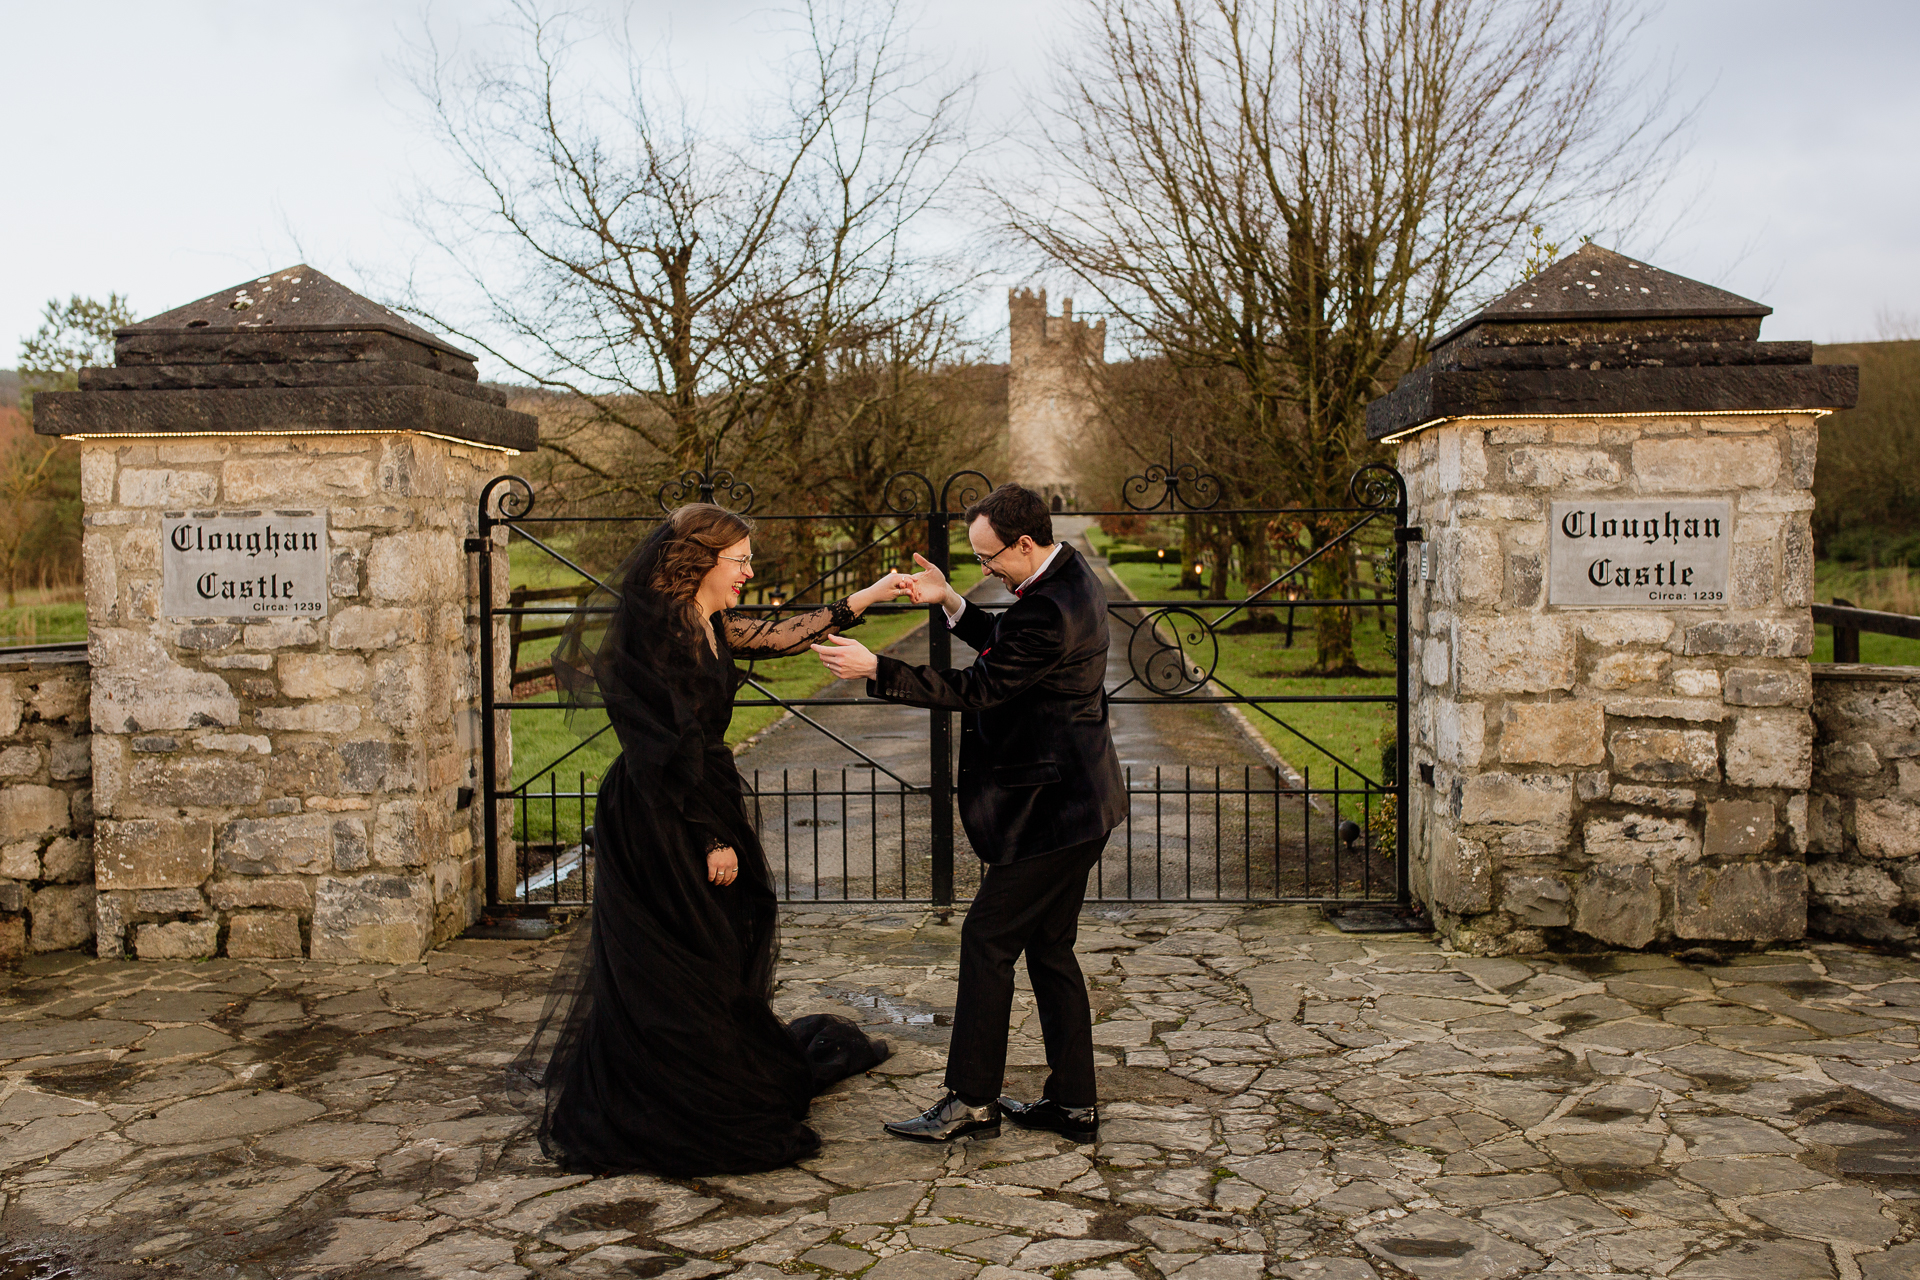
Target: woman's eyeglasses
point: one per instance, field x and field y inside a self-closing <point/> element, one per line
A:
<point x="746" y="559"/>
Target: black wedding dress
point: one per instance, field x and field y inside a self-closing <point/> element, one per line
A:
<point x="658" y="1049"/>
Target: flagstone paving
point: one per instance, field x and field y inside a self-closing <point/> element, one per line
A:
<point x="1281" y="1100"/>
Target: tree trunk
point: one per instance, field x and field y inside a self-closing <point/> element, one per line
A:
<point x="1333" y="624"/>
<point x="1190" y="554"/>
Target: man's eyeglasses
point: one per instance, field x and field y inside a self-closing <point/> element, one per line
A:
<point x="987" y="561"/>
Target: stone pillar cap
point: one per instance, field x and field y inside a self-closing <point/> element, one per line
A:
<point x="292" y="352"/>
<point x="1598" y="334"/>
<point x="296" y="300"/>
<point x="1592" y="283"/>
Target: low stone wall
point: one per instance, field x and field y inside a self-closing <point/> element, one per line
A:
<point x="46" y="804"/>
<point x="1863" y="863"/>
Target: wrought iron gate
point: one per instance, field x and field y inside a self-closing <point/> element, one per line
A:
<point x="538" y="849"/>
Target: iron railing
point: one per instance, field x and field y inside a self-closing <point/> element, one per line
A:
<point x="867" y="834"/>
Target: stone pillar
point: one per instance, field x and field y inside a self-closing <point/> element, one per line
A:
<point x="1609" y="614"/>
<point x="278" y="482"/>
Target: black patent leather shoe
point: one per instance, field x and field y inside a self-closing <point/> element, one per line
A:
<point x="1076" y="1124"/>
<point x="947" y="1120"/>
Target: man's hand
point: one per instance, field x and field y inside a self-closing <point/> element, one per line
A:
<point x="848" y="659"/>
<point x="930" y="586"/>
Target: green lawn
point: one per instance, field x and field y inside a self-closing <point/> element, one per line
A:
<point x="1891" y="590"/>
<point x="1349" y="735"/>
<point x="43" y="623"/>
<point x="1886" y="651"/>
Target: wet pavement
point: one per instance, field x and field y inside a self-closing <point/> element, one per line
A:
<point x="1280" y="1100"/>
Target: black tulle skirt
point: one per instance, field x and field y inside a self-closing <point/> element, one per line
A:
<point x="659" y="1050"/>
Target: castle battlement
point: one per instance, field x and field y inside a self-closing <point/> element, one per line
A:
<point x="1031" y="328"/>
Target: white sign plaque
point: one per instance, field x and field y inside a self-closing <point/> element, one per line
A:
<point x="1643" y="554"/>
<point x="243" y="564"/>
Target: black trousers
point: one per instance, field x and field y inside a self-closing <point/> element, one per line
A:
<point x="1032" y="905"/>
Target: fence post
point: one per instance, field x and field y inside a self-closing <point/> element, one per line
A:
<point x="940" y="735"/>
<point x="1404" y="538"/>
<point x="489" y="694"/>
<point x="1846" y="640"/>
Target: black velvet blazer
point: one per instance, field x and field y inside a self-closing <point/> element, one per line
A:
<point x="1038" y="770"/>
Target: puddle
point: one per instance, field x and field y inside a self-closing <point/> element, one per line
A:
<point x="1869" y="1140"/>
<point x="1893" y="1158"/>
<point x="1407" y="1248"/>
<point x="513" y="928"/>
<point x="1617" y="1180"/>
<point x="895" y="1011"/>
<point x="620" y="1215"/>
<point x="34" y="1262"/>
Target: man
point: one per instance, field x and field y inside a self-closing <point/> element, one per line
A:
<point x="1040" y="790"/>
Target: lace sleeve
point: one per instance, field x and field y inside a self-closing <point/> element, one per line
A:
<point x="752" y="637"/>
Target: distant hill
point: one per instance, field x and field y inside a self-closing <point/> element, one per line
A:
<point x="9" y="389"/>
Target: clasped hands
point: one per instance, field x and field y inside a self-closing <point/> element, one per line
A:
<point x="849" y="659"/>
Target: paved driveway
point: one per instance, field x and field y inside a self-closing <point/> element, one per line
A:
<point x="1281" y="1100"/>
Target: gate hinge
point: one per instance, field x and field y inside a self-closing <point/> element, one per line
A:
<point x="479" y="544"/>
<point x="1412" y="533"/>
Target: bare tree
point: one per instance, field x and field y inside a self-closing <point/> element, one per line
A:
<point x="1298" y="192"/>
<point x="684" y="276"/>
<point x="26" y="502"/>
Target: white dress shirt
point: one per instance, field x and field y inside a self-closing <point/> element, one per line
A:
<point x="953" y="615"/>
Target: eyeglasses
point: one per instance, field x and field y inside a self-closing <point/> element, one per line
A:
<point x="987" y="561"/>
<point x="746" y="559"/>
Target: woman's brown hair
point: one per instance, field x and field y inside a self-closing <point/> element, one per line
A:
<point x="698" y="533"/>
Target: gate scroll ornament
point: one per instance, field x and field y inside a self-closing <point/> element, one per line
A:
<point x="1173" y="653"/>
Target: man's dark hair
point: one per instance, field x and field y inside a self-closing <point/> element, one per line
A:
<point x="1013" y="512"/>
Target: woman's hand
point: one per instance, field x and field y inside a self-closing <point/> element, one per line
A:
<point x="888" y="587"/>
<point x="723" y="864"/>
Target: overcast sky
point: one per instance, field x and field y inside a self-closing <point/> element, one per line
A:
<point x="169" y="150"/>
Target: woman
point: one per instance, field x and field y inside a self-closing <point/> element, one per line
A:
<point x="659" y="1050"/>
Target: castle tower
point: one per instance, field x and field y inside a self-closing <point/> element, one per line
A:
<point x="1050" y="401"/>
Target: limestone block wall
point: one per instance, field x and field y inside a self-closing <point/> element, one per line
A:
<point x="46" y="804"/>
<point x="1626" y="776"/>
<point x="1863" y="865"/>
<point x="288" y="786"/>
